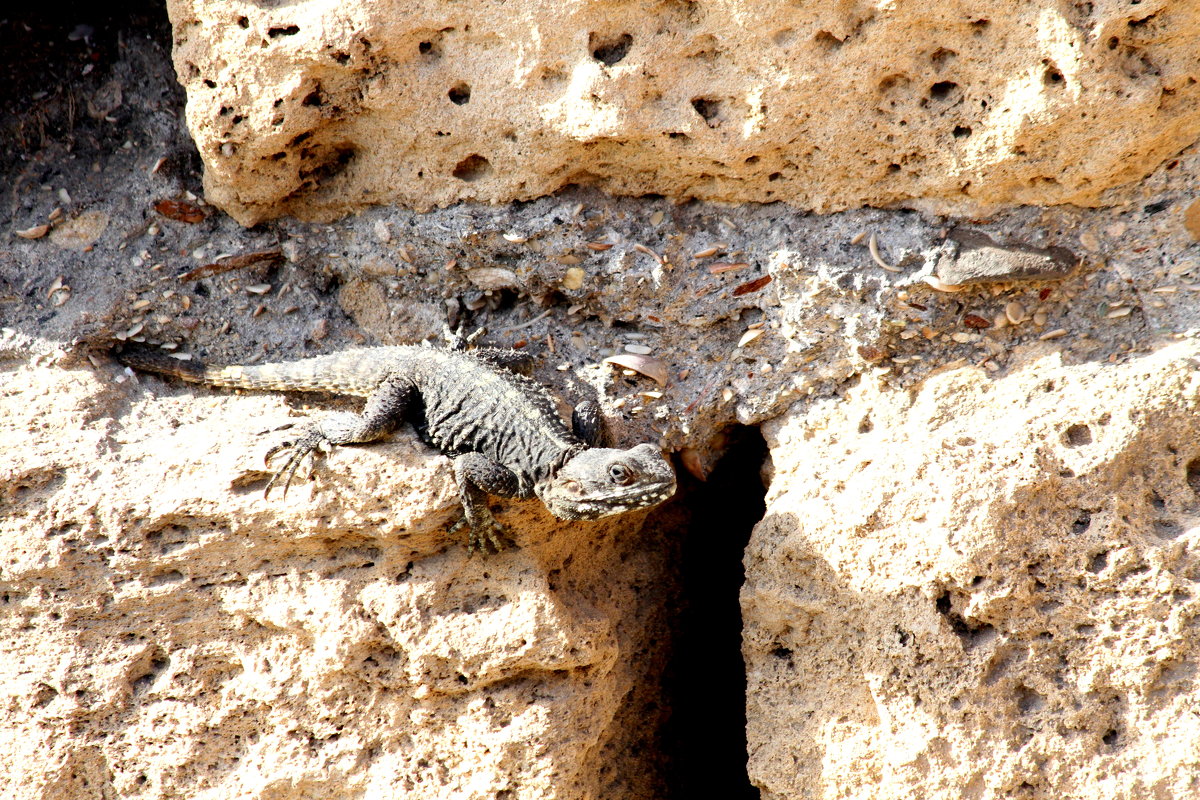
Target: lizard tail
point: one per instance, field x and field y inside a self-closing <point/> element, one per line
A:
<point x="147" y="360"/>
<point x="339" y="373"/>
<point x="234" y="377"/>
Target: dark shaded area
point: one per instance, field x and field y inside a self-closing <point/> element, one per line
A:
<point x="88" y="89"/>
<point x="57" y="58"/>
<point x="704" y="741"/>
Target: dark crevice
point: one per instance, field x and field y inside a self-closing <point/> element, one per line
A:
<point x="704" y="741"/>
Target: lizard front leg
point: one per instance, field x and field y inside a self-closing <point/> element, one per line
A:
<point x="478" y="476"/>
<point x="384" y="410"/>
<point x="588" y="423"/>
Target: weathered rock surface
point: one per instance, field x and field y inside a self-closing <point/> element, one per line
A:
<point x="162" y="620"/>
<point x="979" y="259"/>
<point x="174" y="634"/>
<point x="982" y="588"/>
<point x="317" y="109"/>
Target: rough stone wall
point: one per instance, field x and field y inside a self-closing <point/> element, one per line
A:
<point x="982" y="588"/>
<point x="176" y="635"/>
<point x="320" y="108"/>
<point x="167" y="633"/>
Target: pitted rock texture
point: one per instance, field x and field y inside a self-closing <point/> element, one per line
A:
<point x="942" y="605"/>
<point x="318" y="109"/>
<point x="169" y="633"/>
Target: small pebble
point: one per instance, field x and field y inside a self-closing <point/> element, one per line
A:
<point x="1015" y="313"/>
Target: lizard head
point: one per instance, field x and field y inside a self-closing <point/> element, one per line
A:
<point x="603" y="481"/>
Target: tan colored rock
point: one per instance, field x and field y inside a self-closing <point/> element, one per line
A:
<point x="317" y="109"/>
<point x="1191" y="219"/>
<point x="169" y="633"/>
<point x="984" y="588"/>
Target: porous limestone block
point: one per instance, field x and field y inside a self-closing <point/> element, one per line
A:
<point x="984" y="588"/>
<point x="169" y="632"/>
<point x="319" y="108"/>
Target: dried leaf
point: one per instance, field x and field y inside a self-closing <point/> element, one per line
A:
<point x="179" y="211"/>
<point x="749" y="336"/>
<point x="725" y="266"/>
<point x="493" y="278"/>
<point x="871" y="353"/>
<point x="649" y="366"/>
<point x="751" y="286"/>
<point x="229" y="263"/>
<point x="36" y="232"/>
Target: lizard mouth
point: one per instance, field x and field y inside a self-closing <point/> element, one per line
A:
<point x="583" y="508"/>
<point x="601" y="482"/>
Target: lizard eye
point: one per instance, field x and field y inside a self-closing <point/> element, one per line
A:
<point x="619" y="474"/>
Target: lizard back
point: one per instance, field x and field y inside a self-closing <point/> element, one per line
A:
<point x="469" y="405"/>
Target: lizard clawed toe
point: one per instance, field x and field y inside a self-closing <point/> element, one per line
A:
<point x="305" y="447"/>
<point x="485" y="536"/>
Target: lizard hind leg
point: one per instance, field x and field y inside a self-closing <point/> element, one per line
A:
<point x="382" y="413"/>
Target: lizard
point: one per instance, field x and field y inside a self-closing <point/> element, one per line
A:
<point x="478" y="406"/>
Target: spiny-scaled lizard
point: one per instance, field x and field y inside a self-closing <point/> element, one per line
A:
<point x="477" y="406"/>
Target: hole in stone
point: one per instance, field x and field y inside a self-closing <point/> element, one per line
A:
<point x="1029" y="701"/>
<point x="326" y="163"/>
<point x="1193" y="475"/>
<point x="459" y="94"/>
<point x="970" y="634"/>
<point x="1052" y="77"/>
<point x="707" y="108"/>
<point x="942" y="89"/>
<point x="774" y="176"/>
<point x="290" y="30"/>
<point x="1111" y="737"/>
<point x="942" y="56"/>
<point x="1098" y="563"/>
<point x="472" y="168"/>
<point x="708" y="704"/>
<point x="610" y="50"/>
<point x="827" y="41"/>
<point x="1078" y="436"/>
<point x="1167" y="529"/>
<point x="243" y="22"/>
<point x="1082" y="523"/>
<point x="961" y="131"/>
